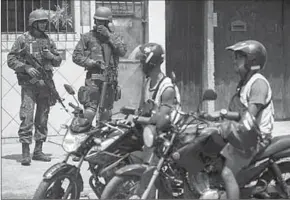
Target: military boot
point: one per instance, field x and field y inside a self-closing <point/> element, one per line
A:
<point x="38" y="154"/>
<point x="26" y="160"/>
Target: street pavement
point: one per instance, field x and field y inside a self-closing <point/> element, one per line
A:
<point x="20" y="182"/>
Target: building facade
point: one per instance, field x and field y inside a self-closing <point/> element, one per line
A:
<point x="197" y="33"/>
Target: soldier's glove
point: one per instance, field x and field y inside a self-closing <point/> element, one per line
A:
<point x="104" y="31"/>
<point x="96" y="64"/>
<point x="47" y="54"/>
<point x="32" y="71"/>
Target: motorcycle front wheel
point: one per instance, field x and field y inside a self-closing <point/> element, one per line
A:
<point x="121" y="187"/>
<point x="54" y="189"/>
<point x="124" y="187"/>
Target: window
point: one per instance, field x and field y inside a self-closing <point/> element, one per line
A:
<point x="14" y="14"/>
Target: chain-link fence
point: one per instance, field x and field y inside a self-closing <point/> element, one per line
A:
<point x="128" y="23"/>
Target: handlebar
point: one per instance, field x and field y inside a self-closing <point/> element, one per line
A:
<point x="73" y="106"/>
<point x="222" y="114"/>
<point x="142" y="120"/>
<point x="232" y="115"/>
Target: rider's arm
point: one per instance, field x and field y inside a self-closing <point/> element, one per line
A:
<point x="167" y="98"/>
<point x="258" y="96"/>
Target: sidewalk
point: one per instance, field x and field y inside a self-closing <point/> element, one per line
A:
<point x="20" y="182"/>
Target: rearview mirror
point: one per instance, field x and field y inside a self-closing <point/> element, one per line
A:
<point x="69" y="89"/>
<point x="209" y="94"/>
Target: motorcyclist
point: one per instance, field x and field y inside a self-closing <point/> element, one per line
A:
<point x="98" y="51"/>
<point x="34" y="91"/>
<point x="253" y="100"/>
<point x="158" y="92"/>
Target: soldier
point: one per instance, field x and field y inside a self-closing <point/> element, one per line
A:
<point x="98" y="51"/>
<point x="34" y="90"/>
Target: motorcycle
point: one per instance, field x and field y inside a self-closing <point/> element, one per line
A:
<point x="190" y="163"/>
<point x="106" y="147"/>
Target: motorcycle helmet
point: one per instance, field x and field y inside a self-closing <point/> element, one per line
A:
<point x="255" y="52"/>
<point x="150" y="55"/>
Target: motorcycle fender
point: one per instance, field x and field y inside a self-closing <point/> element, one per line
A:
<point x="62" y="168"/>
<point x="133" y="170"/>
<point x="282" y="154"/>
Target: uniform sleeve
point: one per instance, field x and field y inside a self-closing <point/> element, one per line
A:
<point x="13" y="60"/>
<point x="118" y="44"/>
<point x="259" y="92"/>
<point x="79" y="56"/>
<point x="57" y="58"/>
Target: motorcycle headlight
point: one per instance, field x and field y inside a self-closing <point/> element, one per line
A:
<point x="149" y="134"/>
<point x="72" y="142"/>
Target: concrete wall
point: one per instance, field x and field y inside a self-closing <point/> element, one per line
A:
<point x="156" y="22"/>
<point x="267" y="22"/>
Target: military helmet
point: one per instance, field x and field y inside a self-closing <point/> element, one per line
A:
<point x="254" y="51"/>
<point x="37" y="15"/>
<point x="103" y="13"/>
<point x="151" y="53"/>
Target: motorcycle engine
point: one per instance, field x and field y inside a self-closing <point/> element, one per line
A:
<point x="201" y="183"/>
<point x="174" y="183"/>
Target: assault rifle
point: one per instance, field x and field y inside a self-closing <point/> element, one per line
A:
<point x="44" y="76"/>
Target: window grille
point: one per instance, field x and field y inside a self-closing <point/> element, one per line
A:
<point x="14" y="15"/>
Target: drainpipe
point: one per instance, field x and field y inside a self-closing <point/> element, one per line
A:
<point x="145" y="21"/>
<point x="208" y="59"/>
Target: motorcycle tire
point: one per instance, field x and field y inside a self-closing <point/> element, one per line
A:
<point x="111" y="189"/>
<point x="44" y="189"/>
<point x="285" y="169"/>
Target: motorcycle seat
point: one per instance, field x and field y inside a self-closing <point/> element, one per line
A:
<point x="278" y="144"/>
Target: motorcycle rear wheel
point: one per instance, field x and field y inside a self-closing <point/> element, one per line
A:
<point x="271" y="179"/>
<point x="45" y="191"/>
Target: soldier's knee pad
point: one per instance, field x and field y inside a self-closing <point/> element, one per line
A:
<point x="89" y="95"/>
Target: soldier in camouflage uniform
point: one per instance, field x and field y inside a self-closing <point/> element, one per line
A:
<point x="33" y="89"/>
<point x="98" y="51"/>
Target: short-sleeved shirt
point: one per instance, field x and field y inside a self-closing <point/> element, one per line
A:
<point x="259" y="92"/>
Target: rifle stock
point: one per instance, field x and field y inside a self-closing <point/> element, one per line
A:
<point x="44" y="76"/>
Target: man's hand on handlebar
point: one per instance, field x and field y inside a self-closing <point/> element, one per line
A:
<point x="221" y="114"/>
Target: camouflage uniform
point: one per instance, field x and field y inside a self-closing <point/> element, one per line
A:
<point x="90" y="49"/>
<point x="31" y="94"/>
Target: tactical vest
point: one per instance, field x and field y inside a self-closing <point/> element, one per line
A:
<point x="156" y="92"/>
<point x="239" y="103"/>
<point x="34" y="46"/>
